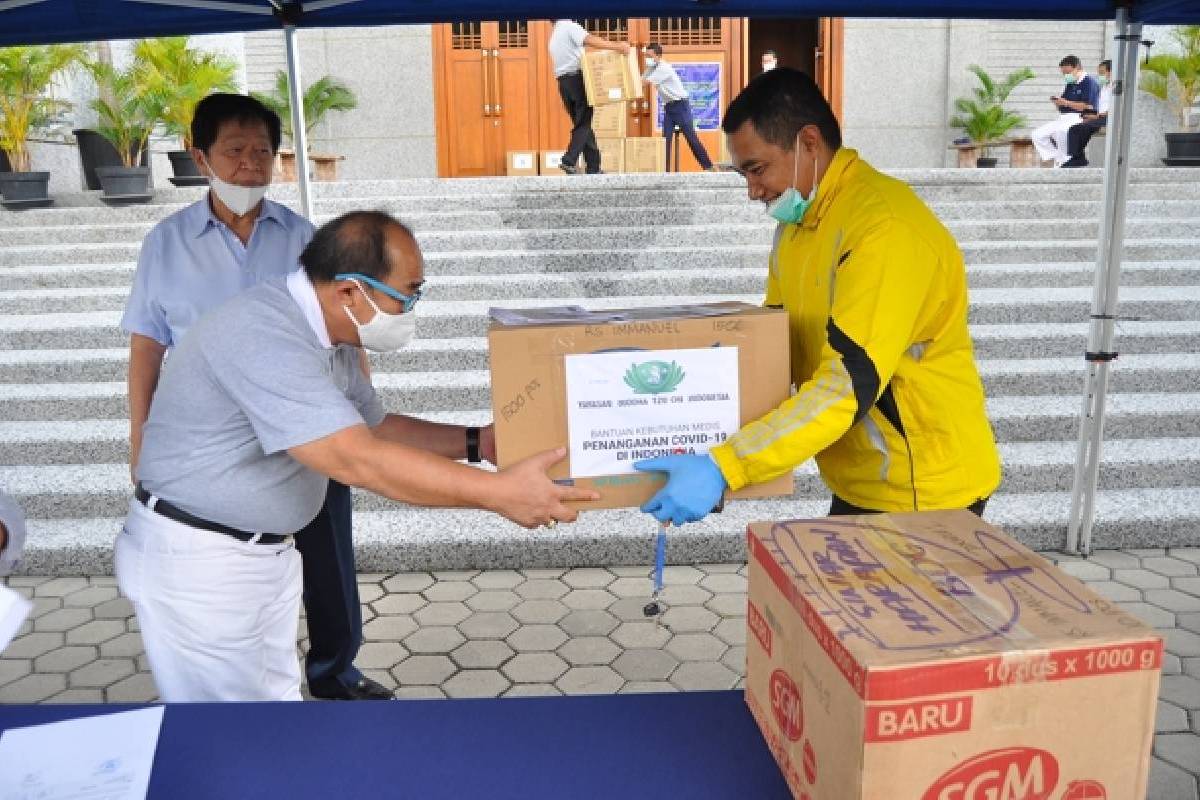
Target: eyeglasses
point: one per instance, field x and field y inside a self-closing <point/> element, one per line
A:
<point x="409" y="300"/>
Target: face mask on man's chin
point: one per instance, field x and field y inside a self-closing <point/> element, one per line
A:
<point x="238" y="199"/>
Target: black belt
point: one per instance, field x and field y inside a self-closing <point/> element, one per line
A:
<point x="179" y="515"/>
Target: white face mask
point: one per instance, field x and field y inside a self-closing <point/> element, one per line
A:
<point x="768" y="65"/>
<point x="385" y="333"/>
<point x="651" y="61"/>
<point x="238" y="199"/>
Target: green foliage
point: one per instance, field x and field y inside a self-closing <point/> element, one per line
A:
<point x="983" y="117"/>
<point x="182" y="76"/>
<point x="320" y="98"/>
<point x="1174" y="78"/>
<point x="129" y="105"/>
<point x="25" y="75"/>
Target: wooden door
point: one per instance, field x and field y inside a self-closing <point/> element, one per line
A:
<point x="828" y="62"/>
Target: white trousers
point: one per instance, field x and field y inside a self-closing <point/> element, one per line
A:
<point x="1050" y="139"/>
<point x="219" y="617"/>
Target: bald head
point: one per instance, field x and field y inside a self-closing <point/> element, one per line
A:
<point x="369" y="243"/>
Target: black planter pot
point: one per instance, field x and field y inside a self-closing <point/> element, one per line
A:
<point x="125" y="184"/>
<point x="4" y="165"/>
<point x="985" y="163"/>
<point x="96" y="151"/>
<point x="1183" y="149"/>
<point x="25" y="189"/>
<point x="185" y="169"/>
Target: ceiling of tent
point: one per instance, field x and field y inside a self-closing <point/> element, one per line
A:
<point x="44" y="21"/>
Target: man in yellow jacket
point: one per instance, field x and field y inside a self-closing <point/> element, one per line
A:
<point x="888" y="398"/>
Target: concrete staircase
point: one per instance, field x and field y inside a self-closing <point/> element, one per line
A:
<point x="1029" y="240"/>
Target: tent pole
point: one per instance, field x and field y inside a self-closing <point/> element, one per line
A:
<point x="299" y="134"/>
<point x="1107" y="281"/>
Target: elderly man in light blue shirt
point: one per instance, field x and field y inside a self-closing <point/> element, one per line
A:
<point x="193" y="261"/>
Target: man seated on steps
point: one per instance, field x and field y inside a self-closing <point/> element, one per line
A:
<point x="1092" y="121"/>
<point x="888" y="398"/>
<point x="1081" y="94"/>
<point x="258" y="408"/>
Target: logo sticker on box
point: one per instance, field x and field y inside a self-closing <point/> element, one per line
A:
<point x="523" y="161"/>
<point x="1014" y="773"/>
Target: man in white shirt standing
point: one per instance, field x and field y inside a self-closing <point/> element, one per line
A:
<point x="1082" y="133"/>
<point x="677" y="109"/>
<point x="567" y="43"/>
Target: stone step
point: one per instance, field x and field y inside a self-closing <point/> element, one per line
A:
<point x="406" y="539"/>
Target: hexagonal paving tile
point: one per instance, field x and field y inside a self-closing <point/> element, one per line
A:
<point x="117" y="608"/>
<point x="590" y="680"/>
<point x="1172" y="600"/>
<point x="388" y="629"/>
<point x="690" y="618"/>
<point x="434" y="640"/>
<point x="494" y="600"/>
<point x="1180" y="749"/>
<point x="724" y="583"/>
<point x="12" y="668"/>
<point x="476" y="683"/>
<point x="65" y="659"/>
<point x="629" y="609"/>
<point x="399" y="603"/>
<point x="60" y="587"/>
<point x="633" y="635"/>
<point x="62" y="619"/>
<point x="137" y="688"/>
<point x="696" y="647"/>
<point x="482" y="654"/>
<point x="1117" y="592"/>
<point x="420" y="693"/>
<point x="33" y="688"/>
<point x="735" y="659"/>
<point x="533" y="690"/>
<point x="685" y="595"/>
<point x="1171" y="567"/>
<point x="96" y="631"/>
<point x="536" y="638"/>
<point x="588" y="599"/>
<point x="424" y="670"/>
<point x="1170" y="719"/>
<point x="78" y="696"/>
<point x="1153" y="616"/>
<point x="589" y="651"/>
<point x="703" y="675"/>
<point x="1141" y="578"/>
<point x="648" y="687"/>
<point x="645" y="665"/>
<point x="1189" y="585"/>
<point x="727" y="605"/>
<point x="588" y="578"/>
<point x="535" y="668"/>
<point x="588" y="623"/>
<point x="542" y="589"/>
<point x="1086" y="570"/>
<point x="543" y="573"/>
<point x="450" y="591"/>
<point x="488" y="625"/>
<point x="732" y="631"/>
<point x="127" y="645"/>
<point x="369" y="592"/>
<point x="681" y="574"/>
<point x="442" y="614"/>
<point x="455" y="574"/>
<point x="631" y="587"/>
<point x="91" y="596"/>
<point x="408" y="582"/>
<point x="498" y="579"/>
<point x="540" y="611"/>
<point x="1183" y="643"/>
<point x="380" y="655"/>
<point x="102" y="673"/>
<point x="32" y="645"/>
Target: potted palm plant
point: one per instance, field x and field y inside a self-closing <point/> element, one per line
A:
<point x="320" y="99"/>
<point x="26" y="73"/>
<point x="182" y="76"/>
<point x="983" y="117"/>
<point x="128" y="106"/>
<point x="1174" y="78"/>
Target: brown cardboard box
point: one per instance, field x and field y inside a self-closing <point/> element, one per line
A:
<point x="645" y="154"/>
<point x="549" y="161"/>
<point x="610" y="77"/>
<point x="929" y="656"/>
<point x="689" y="370"/>
<point x="609" y="121"/>
<point x="612" y="155"/>
<point x="522" y="162"/>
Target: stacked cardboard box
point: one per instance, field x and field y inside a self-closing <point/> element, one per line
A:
<point x="610" y="77"/>
<point x="522" y="162"/>
<point x="612" y="154"/>
<point x="549" y="163"/>
<point x="645" y="154"/>
<point x="609" y="120"/>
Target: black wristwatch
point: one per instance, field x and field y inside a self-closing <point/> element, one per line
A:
<point x="473" y="446"/>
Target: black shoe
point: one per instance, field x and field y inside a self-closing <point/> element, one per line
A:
<point x="567" y="168"/>
<point x="1075" y="161"/>
<point x="364" y="689"/>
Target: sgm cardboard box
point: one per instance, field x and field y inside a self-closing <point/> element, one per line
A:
<point x="549" y="163"/>
<point x="610" y="120"/>
<point x="610" y="77"/>
<point x="645" y="154"/>
<point x="612" y="154"/>
<point x="929" y="656"/>
<point x="618" y="386"/>
<point x="522" y="162"/>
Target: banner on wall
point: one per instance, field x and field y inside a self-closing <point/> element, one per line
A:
<point x="702" y="79"/>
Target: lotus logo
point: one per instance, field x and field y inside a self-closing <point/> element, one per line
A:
<point x="654" y="377"/>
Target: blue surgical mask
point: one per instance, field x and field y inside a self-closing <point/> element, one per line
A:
<point x="790" y="207"/>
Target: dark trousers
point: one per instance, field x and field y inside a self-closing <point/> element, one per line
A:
<point x="331" y="592"/>
<point x="1079" y="135"/>
<point x="840" y="508"/>
<point x="678" y="114"/>
<point x="574" y="97"/>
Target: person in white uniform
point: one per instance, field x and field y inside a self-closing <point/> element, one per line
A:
<point x="1081" y="94"/>
<point x="677" y="107"/>
<point x="566" y="46"/>
<point x="259" y="406"/>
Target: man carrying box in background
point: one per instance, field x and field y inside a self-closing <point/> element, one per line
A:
<point x="889" y="400"/>
<point x="677" y="110"/>
<point x="567" y="41"/>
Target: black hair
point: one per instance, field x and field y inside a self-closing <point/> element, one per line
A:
<point x="1107" y="64"/>
<point x="215" y="110"/>
<point x="778" y="104"/>
<point x="354" y="242"/>
<point x="656" y="48"/>
<point x="771" y="53"/>
<point x="1070" y="61"/>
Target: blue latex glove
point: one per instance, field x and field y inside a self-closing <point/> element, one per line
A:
<point x="694" y="487"/>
